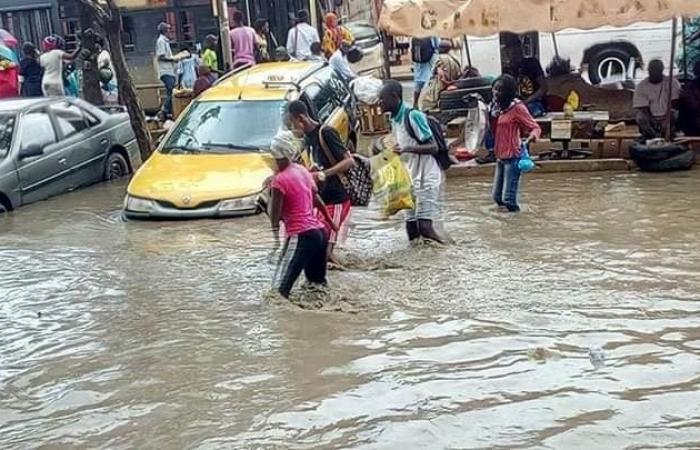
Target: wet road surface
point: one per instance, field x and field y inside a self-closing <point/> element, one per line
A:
<point x="575" y="324"/>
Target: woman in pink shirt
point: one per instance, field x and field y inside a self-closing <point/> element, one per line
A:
<point x="294" y="198"/>
<point x="509" y="121"/>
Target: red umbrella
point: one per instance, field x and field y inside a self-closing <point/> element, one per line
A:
<point x="8" y="39"/>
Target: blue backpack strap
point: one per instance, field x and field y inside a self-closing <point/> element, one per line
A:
<point x="409" y="127"/>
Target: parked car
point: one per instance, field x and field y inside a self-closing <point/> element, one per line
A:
<point x="369" y="41"/>
<point x="49" y="146"/>
<point x="214" y="160"/>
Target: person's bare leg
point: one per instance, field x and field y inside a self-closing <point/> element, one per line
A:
<point x="427" y="230"/>
<point x="416" y="96"/>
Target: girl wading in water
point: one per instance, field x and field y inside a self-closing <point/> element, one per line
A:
<point x="294" y="198"/>
<point x="509" y="121"/>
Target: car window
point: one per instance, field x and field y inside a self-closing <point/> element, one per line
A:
<point x="321" y="93"/>
<point x="7" y="129"/>
<point x="69" y="118"/>
<point x="227" y="127"/>
<point x="91" y="120"/>
<point x="37" y="130"/>
<point x="342" y="92"/>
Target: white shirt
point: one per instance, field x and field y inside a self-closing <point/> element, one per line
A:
<point x="655" y="96"/>
<point x="299" y="41"/>
<point x="163" y="49"/>
<point x="52" y="63"/>
<point x="340" y="65"/>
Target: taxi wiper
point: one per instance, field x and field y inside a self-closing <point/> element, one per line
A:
<point x="228" y="146"/>
<point x="181" y="148"/>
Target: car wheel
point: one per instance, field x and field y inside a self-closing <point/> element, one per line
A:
<point x="609" y="62"/>
<point x="3" y="208"/>
<point x="116" y="167"/>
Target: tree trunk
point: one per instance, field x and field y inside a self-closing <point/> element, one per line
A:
<point x="92" y="92"/>
<point x="108" y="17"/>
<point x="127" y="91"/>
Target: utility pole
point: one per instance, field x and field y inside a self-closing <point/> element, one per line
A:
<point x="220" y="8"/>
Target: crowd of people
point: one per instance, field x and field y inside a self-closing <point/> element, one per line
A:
<point x="250" y="46"/>
<point x="52" y="71"/>
<point x="314" y="204"/>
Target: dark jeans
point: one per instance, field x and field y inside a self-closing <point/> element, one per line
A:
<point x="505" y="184"/>
<point x="169" y="82"/>
<point x="650" y="127"/>
<point x="306" y="252"/>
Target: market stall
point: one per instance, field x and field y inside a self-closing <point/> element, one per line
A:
<point x="455" y="18"/>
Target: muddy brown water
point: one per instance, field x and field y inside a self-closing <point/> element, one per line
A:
<point x="575" y="324"/>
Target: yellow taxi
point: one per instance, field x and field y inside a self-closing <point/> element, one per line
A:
<point x="214" y="160"/>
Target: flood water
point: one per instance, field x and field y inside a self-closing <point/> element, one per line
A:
<point x="575" y="324"/>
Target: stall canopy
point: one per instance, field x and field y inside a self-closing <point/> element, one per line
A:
<point x="453" y="18"/>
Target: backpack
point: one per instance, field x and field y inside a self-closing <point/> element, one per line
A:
<point x="443" y="153"/>
<point x="422" y="50"/>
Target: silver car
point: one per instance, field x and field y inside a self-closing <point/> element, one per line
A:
<point x="49" y="146"/>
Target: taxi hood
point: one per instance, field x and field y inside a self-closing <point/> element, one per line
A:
<point x="191" y="179"/>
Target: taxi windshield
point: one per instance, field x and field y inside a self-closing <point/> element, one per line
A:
<point x="227" y="127"/>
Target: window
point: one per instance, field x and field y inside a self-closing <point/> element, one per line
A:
<point x="91" y="120"/>
<point x="323" y="99"/>
<point x="30" y="25"/>
<point x="327" y="94"/>
<point x="7" y="127"/>
<point x="69" y="118"/>
<point x="37" y="130"/>
<point x="128" y="33"/>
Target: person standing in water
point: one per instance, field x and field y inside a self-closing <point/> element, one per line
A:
<point x="332" y="161"/>
<point x="509" y="121"/>
<point x="419" y="158"/>
<point x="294" y="196"/>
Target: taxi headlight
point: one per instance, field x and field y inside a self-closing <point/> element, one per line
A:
<point x="235" y="204"/>
<point x="136" y="204"/>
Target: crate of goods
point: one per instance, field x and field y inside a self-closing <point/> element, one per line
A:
<point x="372" y="119"/>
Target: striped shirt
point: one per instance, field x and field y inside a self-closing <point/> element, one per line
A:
<point x="508" y="129"/>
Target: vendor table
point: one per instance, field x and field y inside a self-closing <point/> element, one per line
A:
<point x="582" y="125"/>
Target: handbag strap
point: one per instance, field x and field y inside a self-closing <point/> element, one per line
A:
<point x="330" y="156"/>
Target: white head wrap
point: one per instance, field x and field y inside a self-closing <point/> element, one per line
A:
<point x="284" y="145"/>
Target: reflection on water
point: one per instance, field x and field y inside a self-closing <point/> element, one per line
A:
<point x="574" y="324"/>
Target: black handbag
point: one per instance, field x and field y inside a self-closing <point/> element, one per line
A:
<point x="357" y="181"/>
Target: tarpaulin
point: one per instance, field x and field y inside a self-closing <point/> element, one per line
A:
<point x="453" y="18"/>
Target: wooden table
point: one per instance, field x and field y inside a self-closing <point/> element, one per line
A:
<point x="582" y="125"/>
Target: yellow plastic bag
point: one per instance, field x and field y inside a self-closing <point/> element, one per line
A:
<point x="392" y="183"/>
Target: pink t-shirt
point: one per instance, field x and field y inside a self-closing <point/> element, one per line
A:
<point x="243" y="45"/>
<point x="298" y="190"/>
